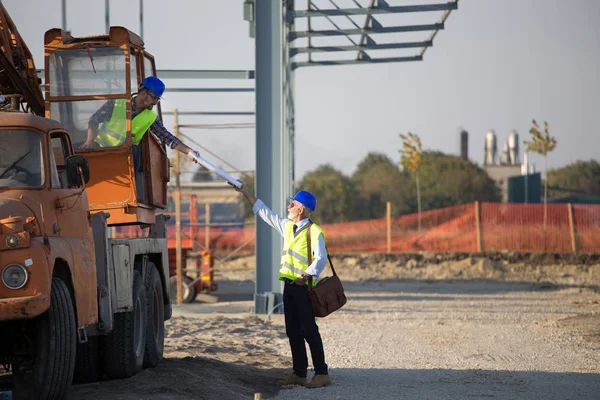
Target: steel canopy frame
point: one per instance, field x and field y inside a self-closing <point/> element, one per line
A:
<point x="371" y="27"/>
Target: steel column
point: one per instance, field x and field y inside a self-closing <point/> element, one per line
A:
<point x="272" y="172"/>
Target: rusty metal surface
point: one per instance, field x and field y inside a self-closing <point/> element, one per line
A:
<point x="32" y="299"/>
<point x="19" y="75"/>
<point x="23" y="307"/>
<point x="27" y="121"/>
<point x="61" y="215"/>
<point x="57" y="38"/>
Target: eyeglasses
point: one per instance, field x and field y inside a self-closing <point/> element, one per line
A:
<point x="154" y="97"/>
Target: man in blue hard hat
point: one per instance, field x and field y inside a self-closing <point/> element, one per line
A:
<point x="300" y="325"/>
<point x="112" y="117"/>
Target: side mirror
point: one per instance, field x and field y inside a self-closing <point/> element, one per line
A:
<point x="73" y="164"/>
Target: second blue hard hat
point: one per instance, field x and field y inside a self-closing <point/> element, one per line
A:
<point x="155" y="85"/>
<point x="307" y="199"/>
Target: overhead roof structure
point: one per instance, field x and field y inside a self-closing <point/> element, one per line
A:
<point x="364" y="30"/>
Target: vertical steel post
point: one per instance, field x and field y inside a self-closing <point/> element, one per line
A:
<point x="388" y="220"/>
<point x="64" y="15"/>
<point x="207" y="226"/>
<point x="177" y="198"/>
<point x="273" y="172"/>
<point x="142" y="19"/>
<point x="107" y="15"/>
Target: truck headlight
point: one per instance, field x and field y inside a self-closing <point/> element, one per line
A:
<point x="12" y="241"/>
<point x="14" y="276"/>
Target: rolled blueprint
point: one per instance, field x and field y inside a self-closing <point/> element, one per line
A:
<point x="217" y="171"/>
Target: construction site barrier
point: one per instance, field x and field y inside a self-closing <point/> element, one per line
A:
<point x="475" y="227"/>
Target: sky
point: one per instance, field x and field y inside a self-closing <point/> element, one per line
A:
<point x="497" y="65"/>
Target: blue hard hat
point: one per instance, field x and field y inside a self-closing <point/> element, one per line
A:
<point x="307" y="199"/>
<point x="154" y="85"/>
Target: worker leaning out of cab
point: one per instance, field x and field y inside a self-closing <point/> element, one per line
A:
<point x="112" y="116"/>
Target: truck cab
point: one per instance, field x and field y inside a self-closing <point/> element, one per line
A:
<point x="86" y="78"/>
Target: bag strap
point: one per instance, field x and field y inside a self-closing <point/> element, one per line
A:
<point x="308" y="248"/>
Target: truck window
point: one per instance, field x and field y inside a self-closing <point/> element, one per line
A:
<point x="21" y="160"/>
<point x="89" y="72"/>
<point x="58" y="155"/>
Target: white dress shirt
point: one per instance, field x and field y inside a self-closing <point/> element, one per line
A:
<point x="278" y="223"/>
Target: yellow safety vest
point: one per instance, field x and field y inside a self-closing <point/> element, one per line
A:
<point x="113" y="132"/>
<point x="294" y="259"/>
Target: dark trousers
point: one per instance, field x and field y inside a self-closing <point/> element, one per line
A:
<point x="138" y="171"/>
<point x="300" y="325"/>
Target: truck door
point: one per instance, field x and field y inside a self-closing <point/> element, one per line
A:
<point x="72" y="208"/>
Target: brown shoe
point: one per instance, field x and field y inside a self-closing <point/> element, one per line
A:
<point x="319" y="381"/>
<point x="292" y="379"/>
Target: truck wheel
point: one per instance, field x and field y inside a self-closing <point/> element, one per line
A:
<point x="87" y="364"/>
<point x="124" y="345"/>
<point x="49" y="374"/>
<point x="155" y="319"/>
<point x="189" y="290"/>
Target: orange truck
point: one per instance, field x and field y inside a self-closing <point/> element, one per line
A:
<point x="76" y="303"/>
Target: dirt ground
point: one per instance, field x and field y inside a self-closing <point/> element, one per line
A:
<point x="418" y="326"/>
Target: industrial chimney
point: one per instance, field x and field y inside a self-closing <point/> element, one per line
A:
<point x="490" y="148"/>
<point x="513" y="147"/>
<point x="464" y="144"/>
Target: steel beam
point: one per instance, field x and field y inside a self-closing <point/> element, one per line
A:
<point x="204" y="74"/>
<point x="352" y="62"/>
<point x="384" y="46"/>
<point x="206" y="90"/>
<point x="372" y="11"/>
<point x="211" y="113"/>
<point x="195" y="74"/>
<point x="372" y="30"/>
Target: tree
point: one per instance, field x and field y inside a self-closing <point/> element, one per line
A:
<point x="448" y="180"/>
<point x="583" y="176"/>
<point x="542" y="144"/>
<point x="337" y="199"/>
<point x="411" y="161"/>
<point x="379" y="180"/>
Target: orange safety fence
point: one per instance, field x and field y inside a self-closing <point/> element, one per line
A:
<point x="474" y="227"/>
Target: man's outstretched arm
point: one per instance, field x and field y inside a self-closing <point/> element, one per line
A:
<point x="258" y="207"/>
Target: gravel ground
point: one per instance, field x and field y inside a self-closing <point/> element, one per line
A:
<point x="461" y="340"/>
<point x="462" y="329"/>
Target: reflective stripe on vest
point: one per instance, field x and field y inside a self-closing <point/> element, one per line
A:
<point x="294" y="258"/>
<point x="113" y="132"/>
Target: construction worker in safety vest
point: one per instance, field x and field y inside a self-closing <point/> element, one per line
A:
<point x="112" y="116"/>
<point x="300" y="325"/>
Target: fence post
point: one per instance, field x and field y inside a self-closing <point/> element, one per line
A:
<point x="572" y="228"/>
<point x="478" y="227"/>
<point x="207" y="226"/>
<point x="388" y="220"/>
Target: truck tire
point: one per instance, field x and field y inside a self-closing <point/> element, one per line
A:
<point x="155" y="318"/>
<point x="123" y="347"/>
<point x="87" y="364"/>
<point x="50" y="374"/>
<point x="189" y="291"/>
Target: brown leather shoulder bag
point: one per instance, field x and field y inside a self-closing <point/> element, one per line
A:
<point x="328" y="295"/>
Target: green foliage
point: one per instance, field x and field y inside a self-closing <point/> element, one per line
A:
<point x="541" y="143"/>
<point x="337" y="199"/>
<point x="379" y="180"/>
<point x="581" y="175"/>
<point x="448" y="180"/>
<point x="411" y="152"/>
